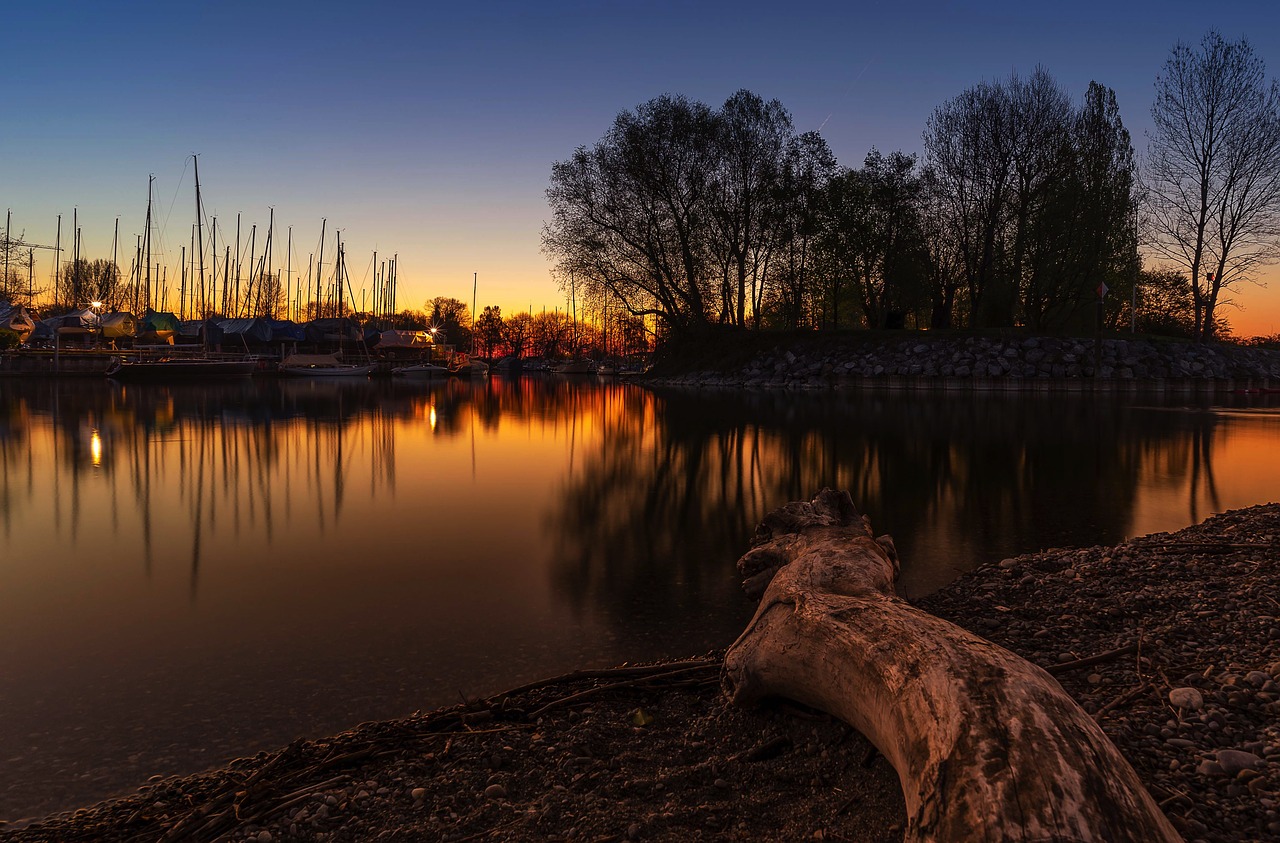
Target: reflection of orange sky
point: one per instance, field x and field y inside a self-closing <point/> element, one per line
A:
<point x="1245" y="462"/>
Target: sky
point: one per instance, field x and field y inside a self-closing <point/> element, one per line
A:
<point x="429" y="130"/>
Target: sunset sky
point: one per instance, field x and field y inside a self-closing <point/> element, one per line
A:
<point x="430" y="130"/>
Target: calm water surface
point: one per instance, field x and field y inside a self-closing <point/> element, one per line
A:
<point x="189" y="575"/>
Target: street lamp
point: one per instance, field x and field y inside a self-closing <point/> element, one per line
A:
<point x="97" y="307"/>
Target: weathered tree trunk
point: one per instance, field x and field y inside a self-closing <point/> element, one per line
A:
<point x="986" y="745"/>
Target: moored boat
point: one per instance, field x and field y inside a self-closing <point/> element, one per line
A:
<point x="321" y="366"/>
<point x="178" y="369"/>
<point x="421" y="370"/>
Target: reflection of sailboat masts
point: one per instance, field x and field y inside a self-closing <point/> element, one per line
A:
<point x="197" y="511"/>
<point x="315" y="438"/>
<point x="263" y="461"/>
<point x="249" y="487"/>
<point x="339" y="476"/>
<point x="146" y="506"/>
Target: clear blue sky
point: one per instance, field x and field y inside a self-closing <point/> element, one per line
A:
<point x="430" y="130"/>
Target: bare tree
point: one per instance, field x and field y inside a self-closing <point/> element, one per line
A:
<point x="630" y="216"/>
<point x="969" y="146"/>
<point x="752" y="137"/>
<point x="1213" y="169"/>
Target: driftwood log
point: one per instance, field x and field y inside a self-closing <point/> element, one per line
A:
<point x="986" y="745"/>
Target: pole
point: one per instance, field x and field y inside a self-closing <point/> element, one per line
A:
<point x="57" y="247"/>
<point x="115" y="258"/>
<point x="288" y="273"/>
<point x="147" y="239"/>
<point x="319" y="264"/>
<point x="195" y="160"/>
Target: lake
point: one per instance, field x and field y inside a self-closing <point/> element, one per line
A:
<point x="189" y="575"/>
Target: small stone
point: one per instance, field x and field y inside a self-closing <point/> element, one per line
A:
<point x="1094" y="678"/>
<point x="495" y="791"/>
<point x="1007" y="564"/>
<point x="1210" y="768"/>
<point x="418" y="793"/>
<point x="264" y="837"/>
<point x="1233" y="761"/>
<point x="1188" y="698"/>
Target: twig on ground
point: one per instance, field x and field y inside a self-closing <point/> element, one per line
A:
<point x="1064" y="667"/>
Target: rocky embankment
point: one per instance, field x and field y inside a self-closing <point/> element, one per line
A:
<point x="1016" y="363"/>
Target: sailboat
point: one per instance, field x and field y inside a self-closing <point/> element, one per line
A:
<point x="478" y="368"/>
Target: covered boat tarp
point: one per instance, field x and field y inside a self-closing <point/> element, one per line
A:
<point x="157" y="326"/>
<point x="199" y="332"/>
<point x="246" y="330"/>
<point x="118" y="325"/>
<point x="286" y="330"/>
<point x="76" y="322"/>
<point x="404" y="339"/>
<point x="17" y="319"/>
<point x="333" y="330"/>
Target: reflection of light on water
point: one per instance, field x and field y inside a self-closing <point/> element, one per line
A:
<point x="433" y="418"/>
<point x="95" y="447"/>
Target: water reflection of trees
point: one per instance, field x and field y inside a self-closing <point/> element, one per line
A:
<point x="662" y="490"/>
<point x="673" y="487"/>
<point x="238" y="455"/>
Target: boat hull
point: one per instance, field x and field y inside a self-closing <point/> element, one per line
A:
<point x="326" y="371"/>
<point x="422" y="371"/>
<point x="179" y="370"/>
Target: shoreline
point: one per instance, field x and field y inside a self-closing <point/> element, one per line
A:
<point x="654" y="752"/>
<point x="926" y="360"/>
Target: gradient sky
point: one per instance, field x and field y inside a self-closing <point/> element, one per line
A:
<point x="429" y="130"/>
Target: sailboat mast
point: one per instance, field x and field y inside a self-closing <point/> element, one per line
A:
<point x="115" y="258"/>
<point x="271" y="227"/>
<point x="319" y="271"/>
<point x="146" y="239"/>
<point x="475" y="281"/>
<point x="213" y="276"/>
<point x="235" y="303"/>
<point x="288" y="273"/>
<point x="339" y="297"/>
<point x="248" y="287"/>
<point x="195" y="159"/>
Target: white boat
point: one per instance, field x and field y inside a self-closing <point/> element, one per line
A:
<point x="321" y="366"/>
<point x="421" y="370"/>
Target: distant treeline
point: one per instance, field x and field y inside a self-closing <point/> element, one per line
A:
<point x="1026" y="210"/>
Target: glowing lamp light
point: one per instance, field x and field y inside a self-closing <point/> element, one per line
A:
<point x="433" y="418"/>
<point x="95" y="448"/>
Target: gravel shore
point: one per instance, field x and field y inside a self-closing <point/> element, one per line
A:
<point x="1171" y="641"/>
